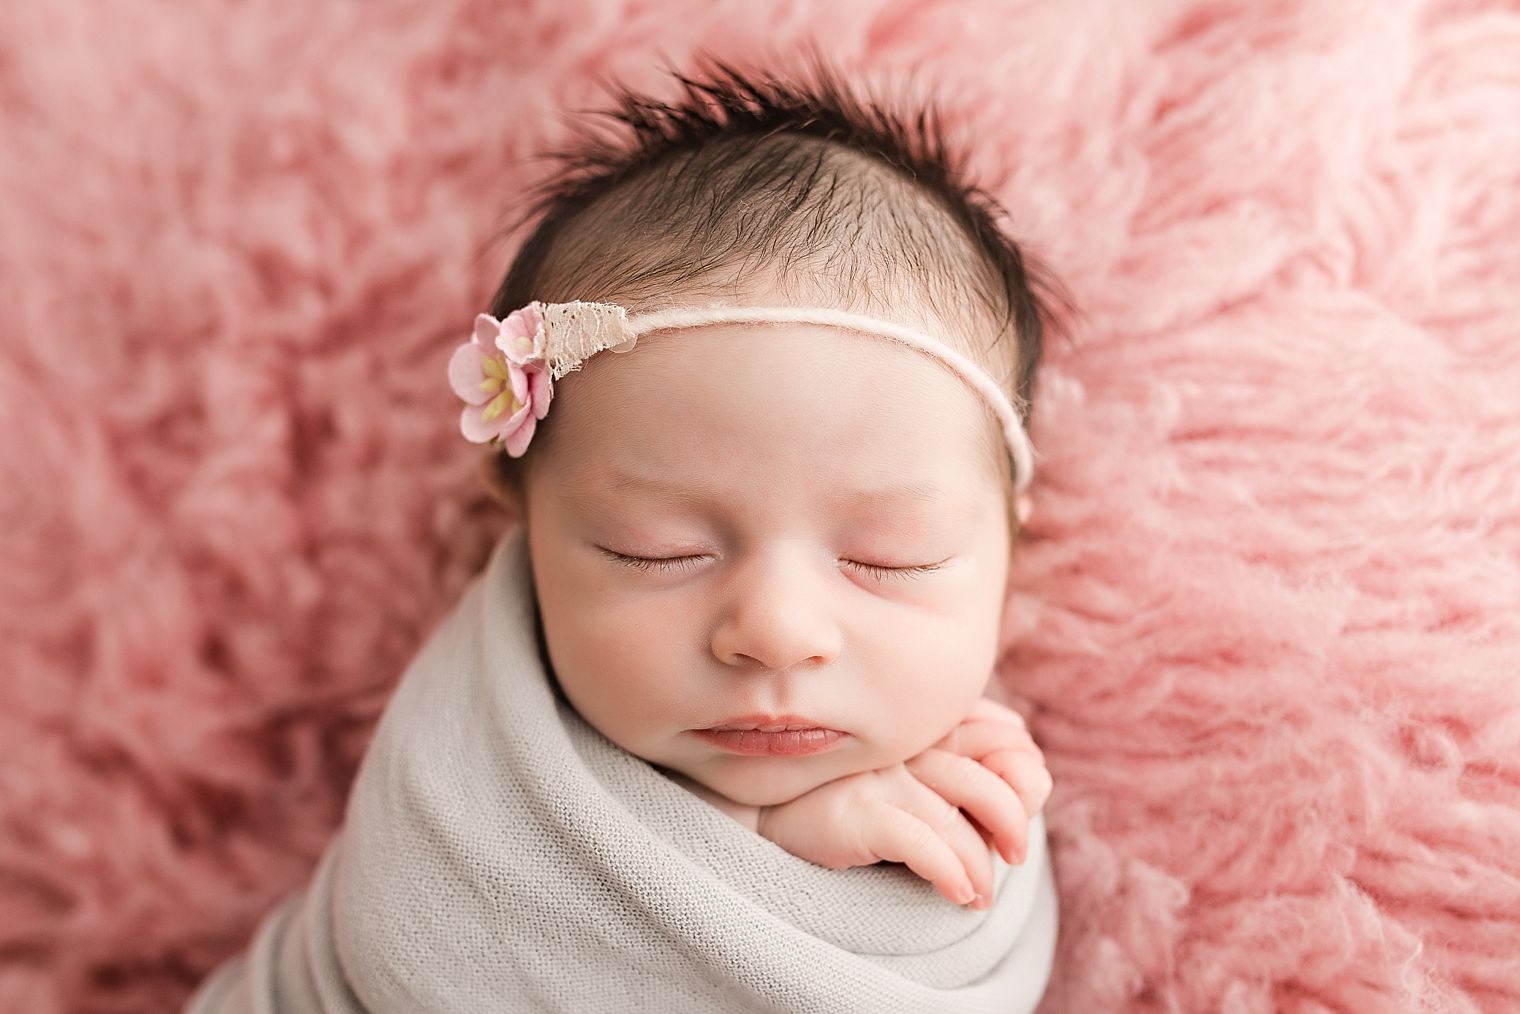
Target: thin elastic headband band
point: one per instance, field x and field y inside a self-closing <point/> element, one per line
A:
<point x="506" y="374"/>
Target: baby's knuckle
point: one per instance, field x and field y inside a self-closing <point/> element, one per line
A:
<point x="963" y="768"/>
<point x="946" y="816"/>
<point x="1012" y="738"/>
<point x="920" y="835"/>
<point x="1021" y="762"/>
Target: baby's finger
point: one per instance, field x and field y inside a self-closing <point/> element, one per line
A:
<point x="991" y="710"/>
<point x="946" y="819"/>
<point x="982" y="793"/>
<point x="897" y="836"/>
<point x="1029" y="777"/>
<point x="976" y="739"/>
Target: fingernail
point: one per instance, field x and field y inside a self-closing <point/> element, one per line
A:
<point x="982" y="902"/>
<point x="966" y="895"/>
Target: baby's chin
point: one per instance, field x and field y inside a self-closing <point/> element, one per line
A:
<point x="771" y="781"/>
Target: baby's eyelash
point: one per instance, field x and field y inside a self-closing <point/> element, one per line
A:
<point x="654" y="563"/>
<point x="646" y="563"/>
<point x="895" y="573"/>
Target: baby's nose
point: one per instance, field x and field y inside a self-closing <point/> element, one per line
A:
<point x="777" y="614"/>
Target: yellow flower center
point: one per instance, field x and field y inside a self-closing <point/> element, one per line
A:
<point x="497" y="379"/>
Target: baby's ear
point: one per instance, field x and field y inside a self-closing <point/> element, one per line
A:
<point x="501" y="488"/>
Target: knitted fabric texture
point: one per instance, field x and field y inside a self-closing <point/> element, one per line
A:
<point x="501" y="854"/>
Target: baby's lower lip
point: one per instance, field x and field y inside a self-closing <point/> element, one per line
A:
<point x="753" y="743"/>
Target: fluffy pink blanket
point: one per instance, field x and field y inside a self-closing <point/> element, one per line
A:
<point x="1268" y="618"/>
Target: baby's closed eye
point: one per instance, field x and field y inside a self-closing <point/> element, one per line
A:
<point x="880" y="571"/>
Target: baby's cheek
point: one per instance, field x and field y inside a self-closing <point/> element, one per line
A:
<point x="609" y="680"/>
<point x="640" y="693"/>
<point x="932" y="699"/>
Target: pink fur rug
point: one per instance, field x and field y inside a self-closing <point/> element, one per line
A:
<point x="1268" y="621"/>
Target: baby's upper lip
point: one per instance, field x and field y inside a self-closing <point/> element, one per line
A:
<point x="788" y="723"/>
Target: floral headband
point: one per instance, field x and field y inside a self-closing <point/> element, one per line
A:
<point x="506" y="372"/>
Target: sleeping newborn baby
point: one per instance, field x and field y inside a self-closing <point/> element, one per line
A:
<point x="714" y="729"/>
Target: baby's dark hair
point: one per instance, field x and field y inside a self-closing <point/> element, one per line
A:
<point x="836" y="199"/>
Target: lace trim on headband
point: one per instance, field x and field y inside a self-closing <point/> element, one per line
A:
<point x="574" y="332"/>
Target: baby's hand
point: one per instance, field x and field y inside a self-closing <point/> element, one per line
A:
<point x="999" y="739"/>
<point x="890" y="815"/>
<point x="912" y="812"/>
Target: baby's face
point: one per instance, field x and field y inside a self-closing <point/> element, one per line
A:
<point x="771" y="469"/>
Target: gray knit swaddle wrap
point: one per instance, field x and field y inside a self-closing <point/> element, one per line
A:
<point x="500" y="854"/>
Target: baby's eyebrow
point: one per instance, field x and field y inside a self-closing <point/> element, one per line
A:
<point x="917" y="493"/>
<point x="941" y="503"/>
<point x="925" y="493"/>
<point x="595" y="486"/>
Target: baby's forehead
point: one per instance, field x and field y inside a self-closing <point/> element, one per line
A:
<point x="777" y="408"/>
<point x="761" y="385"/>
<point x="843" y="492"/>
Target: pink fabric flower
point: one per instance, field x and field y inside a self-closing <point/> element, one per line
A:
<point x="503" y="377"/>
